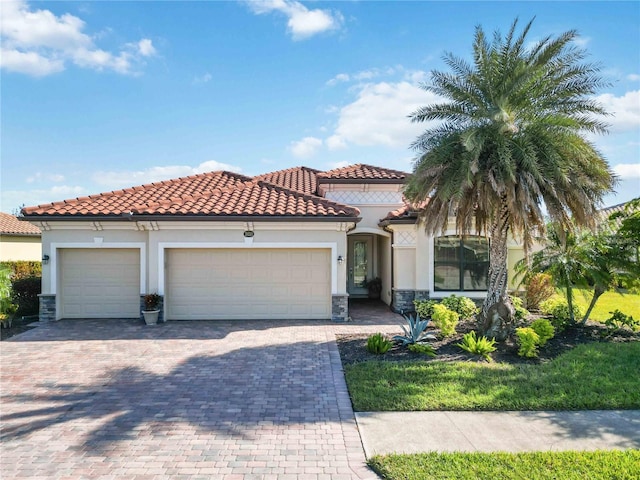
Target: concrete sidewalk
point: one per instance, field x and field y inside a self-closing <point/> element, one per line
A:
<point x="413" y="432"/>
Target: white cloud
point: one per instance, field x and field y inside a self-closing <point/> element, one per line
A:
<point x="339" y="78"/>
<point x="379" y="116"/>
<point x="634" y="77"/>
<point x="625" y="110"/>
<point x="12" y="199"/>
<point x="126" y="178"/>
<point x="39" y="43"/>
<point x="202" y="79"/>
<point x="146" y="48"/>
<point x="40" y="177"/>
<point x="306" y="147"/>
<point x="302" y="23"/>
<point x="627" y="170"/>
<point x="334" y="165"/>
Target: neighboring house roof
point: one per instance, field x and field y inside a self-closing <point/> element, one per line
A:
<point x="361" y="173"/>
<point x="10" y="225"/>
<point x="215" y="195"/>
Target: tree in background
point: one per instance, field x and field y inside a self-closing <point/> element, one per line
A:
<point x="510" y="142"/>
<point x="603" y="260"/>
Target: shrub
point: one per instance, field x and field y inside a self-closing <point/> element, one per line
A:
<point x="446" y="320"/>
<point x="424" y="308"/>
<point x="22" y="268"/>
<point x="378" y="344"/>
<point x="528" y="340"/>
<point x="539" y="287"/>
<point x="521" y="312"/>
<point x="544" y="330"/>
<point x="463" y="306"/>
<point x="423" y="349"/>
<point x="152" y="301"/>
<point x="5" y="287"/>
<point x="414" y="331"/>
<point x="558" y="309"/>
<point x="25" y="293"/>
<point x="477" y="346"/>
<point x="619" y="320"/>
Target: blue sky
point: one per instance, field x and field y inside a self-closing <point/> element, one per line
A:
<point x="97" y="96"/>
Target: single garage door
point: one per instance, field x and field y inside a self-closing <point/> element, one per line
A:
<point x="100" y="283"/>
<point x="248" y="284"/>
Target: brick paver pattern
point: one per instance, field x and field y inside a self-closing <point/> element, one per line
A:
<point x="116" y="399"/>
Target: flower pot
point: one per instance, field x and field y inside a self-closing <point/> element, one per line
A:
<point x="151" y="316"/>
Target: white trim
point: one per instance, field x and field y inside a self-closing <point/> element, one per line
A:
<point x="375" y="231"/>
<point x="333" y="246"/>
<point x="53" y="259"/>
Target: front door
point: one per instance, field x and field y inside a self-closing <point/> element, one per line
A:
<point x="359" y="264"/>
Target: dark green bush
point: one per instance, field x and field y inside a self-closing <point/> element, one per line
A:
<point x="25" y="293"/>
<point x="463" y="306"/>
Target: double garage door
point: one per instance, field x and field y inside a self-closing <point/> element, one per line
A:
<point x="200" y="284"/>
<point x="248" y="284"/>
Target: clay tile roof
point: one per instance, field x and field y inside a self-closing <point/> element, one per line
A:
<point x="406" y="214"/>
<point x="302" y="179"/>
<point x="10" y="225"/>
<point x="363" y="173"/>
<point x="120" y="202"/>
<point x="216" y="194"/>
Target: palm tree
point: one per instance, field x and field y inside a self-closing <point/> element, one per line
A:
<point x="509" y="144"/>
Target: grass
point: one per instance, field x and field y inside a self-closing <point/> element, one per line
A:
<point x="597" y="465"/>
<point x="628" y="303"/>
<point x="596" y="376"/>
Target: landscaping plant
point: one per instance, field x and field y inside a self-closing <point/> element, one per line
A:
<point x="544" y="330"/>
<point x="528" y="340"/>
<point x="446" y="320"/>
<point x="477" y="346"/>
<point x="521" y="312"/>
<point x="424" y="308"/>
<point x="423" y="348"/>
<point x="414" y="331"/>
<point x="558" y="309"/>
<point x="539" y="287"/>
<point x="378" y="344"/>
<point x="618" y="320"/>
<point x="463" y="306"/>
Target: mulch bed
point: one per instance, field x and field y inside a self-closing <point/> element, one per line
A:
<point x="353" y="348"/>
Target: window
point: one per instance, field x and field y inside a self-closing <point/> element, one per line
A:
<point x="461" y="263"/>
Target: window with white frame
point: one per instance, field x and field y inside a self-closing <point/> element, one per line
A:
<point x="461" y="263"/>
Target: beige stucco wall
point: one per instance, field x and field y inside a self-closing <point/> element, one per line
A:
<point x="187" y="234"/>
<point x="13" y="247"/>
<point x="384" y="254"/>
<point x="419" y="275"/>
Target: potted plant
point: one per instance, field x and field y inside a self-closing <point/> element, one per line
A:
<point x="375" y="287"/>
<point x="151" y="310"/>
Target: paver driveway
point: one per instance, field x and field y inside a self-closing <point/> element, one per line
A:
<point x="117" y="399"/>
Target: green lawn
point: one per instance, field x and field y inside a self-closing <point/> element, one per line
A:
<point x="595" y="376"/>
<point x="599" y="465"/>
<point x="628" y="303"/>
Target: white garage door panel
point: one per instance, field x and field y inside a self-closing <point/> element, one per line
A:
<point x="207" y="284"/>
<point x="100" y="283"/>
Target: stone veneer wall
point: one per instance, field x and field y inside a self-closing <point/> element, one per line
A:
<point x="340" y="308"/>
<point x="160" y="307"/>
<point x="47" y="308"/>
<point x="402" y="301"/>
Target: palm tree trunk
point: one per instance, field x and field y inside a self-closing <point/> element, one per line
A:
<point x="496" y="317"/>
<point x="598" y="290"/>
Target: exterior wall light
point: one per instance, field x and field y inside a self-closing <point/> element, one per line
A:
<point x="340" y="259"/>
<point x="45" y="259"/>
